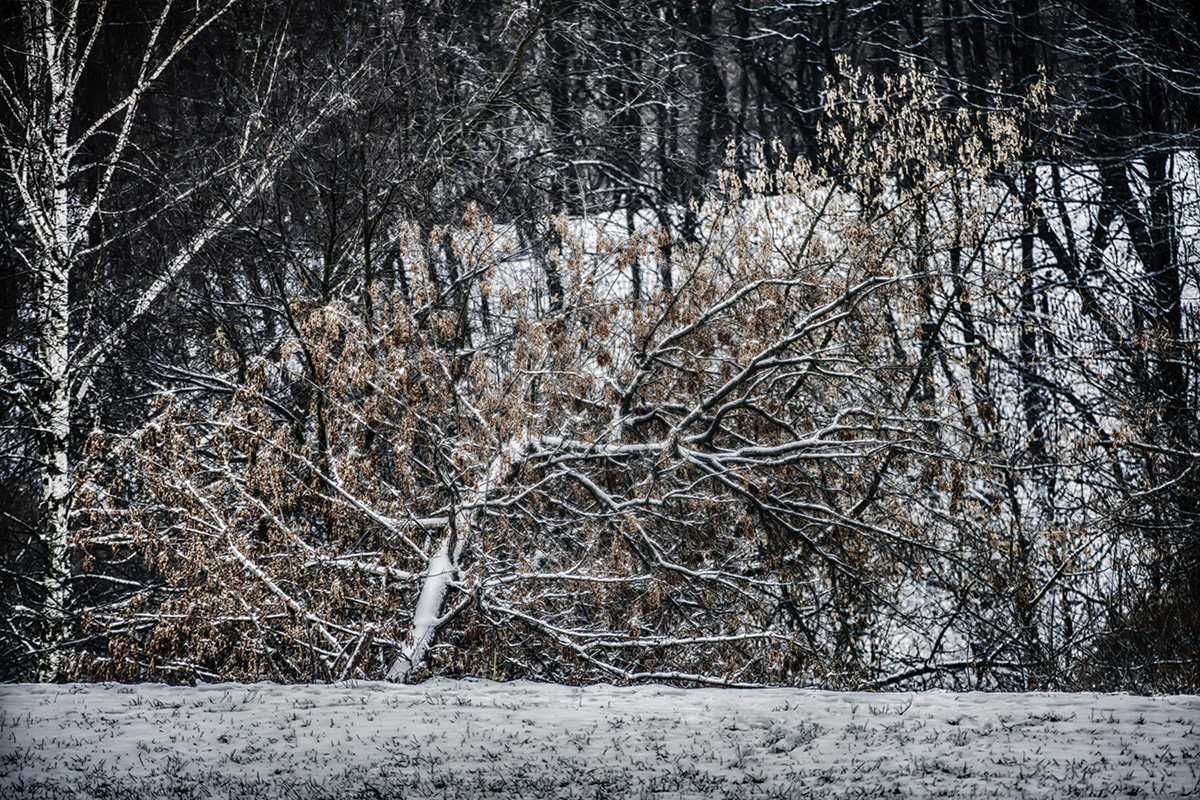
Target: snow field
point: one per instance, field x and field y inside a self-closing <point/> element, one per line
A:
<point x="475" y="738"/>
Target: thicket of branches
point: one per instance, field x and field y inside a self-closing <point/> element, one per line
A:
<point x="723" y="342"/>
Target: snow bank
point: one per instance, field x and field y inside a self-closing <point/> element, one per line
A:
<point x="460" y="739"/>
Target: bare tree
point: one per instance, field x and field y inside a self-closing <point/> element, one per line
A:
<point x="67" y="163"/>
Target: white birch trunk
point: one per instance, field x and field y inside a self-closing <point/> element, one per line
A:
<point x="53" y="411"/>
<point x="443" y="566"/>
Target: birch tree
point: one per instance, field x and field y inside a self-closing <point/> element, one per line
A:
<point x="66" y="163"/>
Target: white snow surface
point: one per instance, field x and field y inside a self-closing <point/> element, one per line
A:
<point x="476" y="738"/>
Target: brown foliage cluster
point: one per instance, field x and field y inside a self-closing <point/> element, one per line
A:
<point x="769" y="468"/>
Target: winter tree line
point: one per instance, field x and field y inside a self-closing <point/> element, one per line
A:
<point x="831" y="342"/>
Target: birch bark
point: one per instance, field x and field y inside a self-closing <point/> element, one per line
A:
<point x="53" y="413"/>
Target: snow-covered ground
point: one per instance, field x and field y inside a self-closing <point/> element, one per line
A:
<point x="463" y="739"/>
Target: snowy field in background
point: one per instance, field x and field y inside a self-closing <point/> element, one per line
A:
<point x="464" y="739"/>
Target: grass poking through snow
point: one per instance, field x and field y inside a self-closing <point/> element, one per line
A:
<point x="467" y="739"/>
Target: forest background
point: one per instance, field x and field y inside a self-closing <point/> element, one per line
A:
<point x="843" y="343"/>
